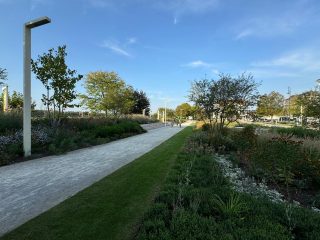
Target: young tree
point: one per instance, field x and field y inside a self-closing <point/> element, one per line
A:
<point x="107" y="92"/>
<point x="141" y="102"/>
<point x="270" y="104"/>
<point x="184" y="110"/>
<point x="59" y="81"/>
<point x="3" y="75"/>
<point x="16" y="101"/>
<point x="223" y="101"/>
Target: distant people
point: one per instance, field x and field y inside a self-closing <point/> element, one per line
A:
<point x="180" y="122"/>
<point x="172" y="123"/>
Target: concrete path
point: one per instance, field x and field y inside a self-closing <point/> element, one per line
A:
<point x="29" y="188"/>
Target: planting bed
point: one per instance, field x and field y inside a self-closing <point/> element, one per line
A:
<point x="200" y="201"/>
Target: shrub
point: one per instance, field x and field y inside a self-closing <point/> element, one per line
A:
<point x="299" y="132"/>
<point x="10" y="122"/>
<point x="197" y="202"/>
<point x="277" y="158"/>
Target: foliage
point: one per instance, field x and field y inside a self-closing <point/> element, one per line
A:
<point x="72" y="133"/>
<point x="233" y="206"/>
<point x="287" y="158"/>
<point x="224" y="100"/>
<point x="245" y="142"/>
<point x="283" y="155"/>
<point x="16" y="100"/>
<point x="60" y="81"/>
<point x="3" y="74"/>
<point x="141" y="102"/>
<point x="197" y="202"/>
<point x="294" y="106"/>
<point x="119" y="129"/>
<point x="107" y="92"/>
<point x="184" y="110"/>
<point x="270" y="104"/>
<point x="299" y="132"/>
<point x="9" y="122"/>
<point x="312" y="105"/>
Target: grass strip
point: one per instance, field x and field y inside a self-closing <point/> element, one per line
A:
<point x="112" y="207"/>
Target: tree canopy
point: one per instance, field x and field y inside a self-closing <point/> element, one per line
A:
<point x="140" y="102"/>
<point x="184" y="110"/>
<point x="224" y="100"/>
<point x="107" y="92"/>
<point x="3" y="74"/>
<point x="60" y="81"/>
<point x="270" y="104"/>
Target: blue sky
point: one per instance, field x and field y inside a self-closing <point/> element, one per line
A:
<point x="160" y="46"/>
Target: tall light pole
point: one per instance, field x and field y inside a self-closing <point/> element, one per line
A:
<point x="165" y="113"/>
<point x="27" y="80"/>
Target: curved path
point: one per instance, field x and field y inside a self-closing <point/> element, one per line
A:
<point x="29" y="188"/>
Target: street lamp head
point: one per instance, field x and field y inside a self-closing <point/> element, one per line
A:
<point x="37" y="22"/>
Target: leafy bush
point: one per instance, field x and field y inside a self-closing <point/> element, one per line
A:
<point x="71" y="134"/>
<point x="278" y="158"/>
<point x="298" y="132"/>
<point x="197" y="202"/>
<point x="10" y="122"/>
<point x="118" y="129"/>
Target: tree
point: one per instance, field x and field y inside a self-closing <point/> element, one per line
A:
<point x="270" y="104"/>
<point x="310" y="103"/>
<point x="184" y="110"/>
<point x="16" y="100"/>
<point x="223" y="101"/>
<point x="293" y="106"/>
<point x="107" y="92"/>
<point x="140" y="102"/>
<point x="58" y="79"/>
<point x="3" y="74"/>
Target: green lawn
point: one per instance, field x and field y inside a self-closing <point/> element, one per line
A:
<point x="111" y="208"/>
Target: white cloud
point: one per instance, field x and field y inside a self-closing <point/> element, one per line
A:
<point x="244" y="33"/>
<point x="202" y="64"/>
<point x="181" y="8"/>
<point x="197" y="64"/>
<point x="302" y="60"/>
<point x="114" y="47"/>
<point x="285" y="19"/>
<point x="298" y="64"/>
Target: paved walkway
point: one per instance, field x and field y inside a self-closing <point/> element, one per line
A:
<point x="29" y="188"/>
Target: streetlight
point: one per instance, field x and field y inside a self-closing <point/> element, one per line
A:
<point x="165" y="114"/>
<point x="27" y="80"/>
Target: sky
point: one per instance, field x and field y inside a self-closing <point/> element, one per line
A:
<point x="161" y="46"/>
